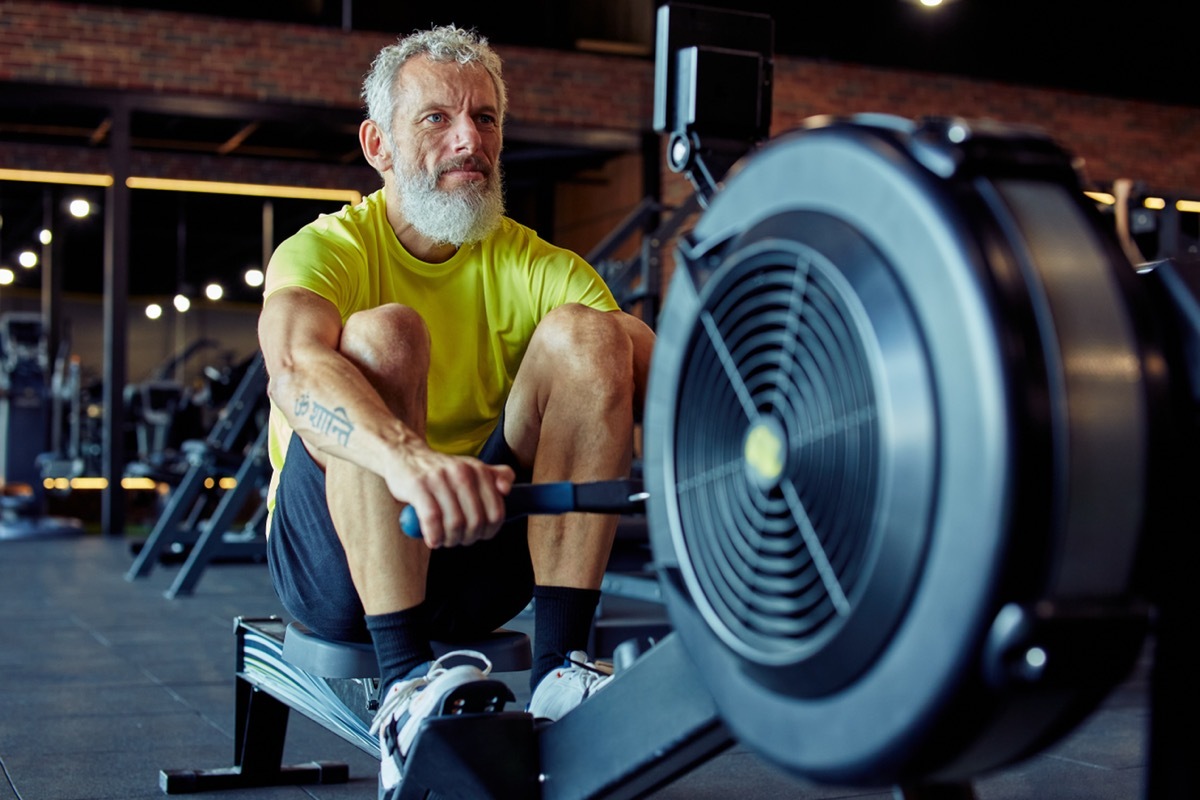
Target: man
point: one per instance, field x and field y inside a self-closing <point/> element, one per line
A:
<point x="428" y="351"/>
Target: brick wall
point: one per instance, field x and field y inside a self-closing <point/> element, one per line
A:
<point x="79" y="45"/>
<point x="1152" y="142"/>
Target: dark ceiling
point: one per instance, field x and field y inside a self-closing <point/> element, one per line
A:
<point x="1135" y="48"/>
<point x="1124" y="49"/>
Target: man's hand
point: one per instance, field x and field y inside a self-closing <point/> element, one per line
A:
<point x="459" y="500"/>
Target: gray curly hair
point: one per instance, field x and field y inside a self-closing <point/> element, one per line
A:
<point x="443" y="44"/>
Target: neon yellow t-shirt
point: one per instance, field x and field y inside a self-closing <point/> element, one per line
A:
<point x="481" y="307"/>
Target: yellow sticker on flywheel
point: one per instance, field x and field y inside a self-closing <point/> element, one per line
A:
<point x="763" y="451"/>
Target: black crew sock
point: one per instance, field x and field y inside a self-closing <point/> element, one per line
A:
<point x="401" y="643"/>
<point x="562" y="621"/>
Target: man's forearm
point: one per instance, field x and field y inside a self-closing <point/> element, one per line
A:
<point x="336" y="410"/>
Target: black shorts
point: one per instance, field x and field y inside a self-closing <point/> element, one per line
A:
<point x="469" y="592"/>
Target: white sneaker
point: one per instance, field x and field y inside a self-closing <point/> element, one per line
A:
<point x="410" y="702"/>
<point x="566" y="687"/>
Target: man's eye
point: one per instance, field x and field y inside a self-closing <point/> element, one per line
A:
<point x="487" y="119"/>
<point x="436" y="117"/>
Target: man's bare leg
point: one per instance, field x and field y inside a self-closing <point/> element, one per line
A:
<point x="390" y="346"/>
<point x="570" y="413"/>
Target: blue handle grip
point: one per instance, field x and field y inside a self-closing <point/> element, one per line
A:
<point x="524" y="498"/>
<point x="409" y="523"/>
<point x="612" y="497"/>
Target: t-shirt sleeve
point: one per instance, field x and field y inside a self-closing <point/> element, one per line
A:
<point x="315" y="259"/>
<point x="562" y="277"/>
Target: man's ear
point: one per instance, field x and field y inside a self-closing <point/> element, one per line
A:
<point x="374" y="145"/>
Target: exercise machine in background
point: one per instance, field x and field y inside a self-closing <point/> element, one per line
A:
<point x="199" y="518"/>
<point x="167" y="412"/>
<point x="25" y="417"/>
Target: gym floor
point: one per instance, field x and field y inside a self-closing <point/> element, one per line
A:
<point x="104" y="682"/>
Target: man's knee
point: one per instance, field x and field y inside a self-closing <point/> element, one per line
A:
<point x="586" y="345"/>
<point x="573" y="332"/>
<point x="391" y="339"/>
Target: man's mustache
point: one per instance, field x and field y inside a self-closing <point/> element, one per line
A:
<point x="464" y="162"/>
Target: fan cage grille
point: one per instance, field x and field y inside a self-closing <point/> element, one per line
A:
<point x="778" y="561"/>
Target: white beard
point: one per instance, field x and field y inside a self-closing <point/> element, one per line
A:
<point x="463" y="215"/>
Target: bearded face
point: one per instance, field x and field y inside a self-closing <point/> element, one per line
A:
<point x="458" y="213"/>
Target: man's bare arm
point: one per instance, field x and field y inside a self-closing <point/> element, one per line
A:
<point x="339" y="413"/>
<point x="326" y="399"/>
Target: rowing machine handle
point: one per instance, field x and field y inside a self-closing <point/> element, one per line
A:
<point x="603" y="497"/>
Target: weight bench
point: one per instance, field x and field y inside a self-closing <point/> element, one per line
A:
<point x="281" y="666"/>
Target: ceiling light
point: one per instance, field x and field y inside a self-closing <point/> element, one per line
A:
<point x="154" y="311"/>
<point x="7" y="276"/>
<point x="65" y="178"/>
<point x="79" y="208"/>
<point x="27" y="259"/>
<point x="247" y="189"/>
<point x="351" y="196"/>
<point x="182" y="304"/>
<point x="253" y="277"/>
<point x="214" y="291"/>
<point x="44" y="236"/>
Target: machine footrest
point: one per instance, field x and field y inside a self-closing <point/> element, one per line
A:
<point x="473" y="755"/>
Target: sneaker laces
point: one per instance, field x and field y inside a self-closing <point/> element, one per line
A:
<point x="588" y="675"/>
<point x="563" y="689"/>
<point x="585" y="676"/>
<point x="395" y="702"/>
<point x="592" y="672"/>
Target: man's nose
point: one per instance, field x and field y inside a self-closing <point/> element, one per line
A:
<point x="466" y="135"/>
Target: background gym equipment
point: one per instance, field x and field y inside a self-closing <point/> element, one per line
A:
<point x="25" y="408"/>
<point x="75" y="446"/>
<point x="180" y="527"/>
<point x="168" y="416"/>
<point x="23" y="396"/>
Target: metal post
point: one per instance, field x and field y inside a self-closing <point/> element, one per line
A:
<point x="116" y="306"/>
<point x="51" y="313"/>
<point x="52" y="274"/>
<point x="181" y="286"/>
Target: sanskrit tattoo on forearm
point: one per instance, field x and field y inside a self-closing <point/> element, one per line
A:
<point x="331" y="422"/>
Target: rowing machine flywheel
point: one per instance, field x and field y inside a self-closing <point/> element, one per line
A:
<point x="896" y="438"/>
